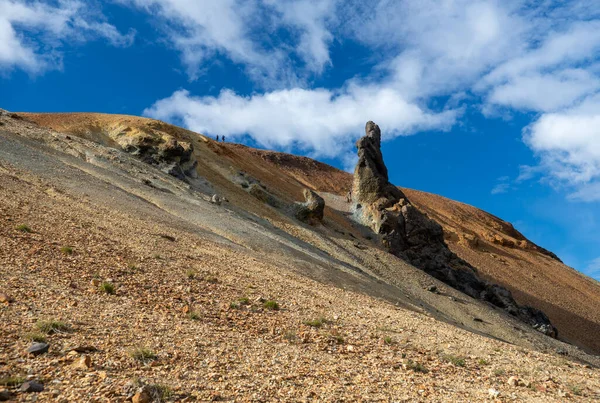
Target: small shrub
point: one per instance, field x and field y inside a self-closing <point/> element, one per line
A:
<point x="316" y="322"/>
<point x="271" y="305"/>
<point x="388" y="340"/>
<point x="576" y="389"/>
<point x="66" y="250"/>
<point x="234" y="305"/>
<point x="211" y="279"/>
<point x="142" y="354"/>
<point x="193" y="315"/>
<point x="11" y="381"/>
<point x="483" y="361"/>
<point x="52" y="326"/>
<point x="337" y="339"/>
<point x="23" y="228"/>
<point x="244" y="301"/>
<point x="35" y="336"/>
<point x="157" y="256"/>
<point x="107" y="287"/>
<point x="163" y="392"/>
<point x="456" y="361"/>
<point x="290" y="336"/>
<point x="191" y="274"/>
<point x="499" y="372"/>
<point x="416" y="366"/>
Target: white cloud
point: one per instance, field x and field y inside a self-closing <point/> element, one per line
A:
<point x="503" y="186"/>
<point x="500" y="188"/>
<point x="31" y="33"/>
<point x="319" y="121"/>
<point x="568" y="143"/>
<point x="545" y="92"/>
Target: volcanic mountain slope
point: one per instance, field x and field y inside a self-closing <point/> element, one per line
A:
<point x="101" y="200"/>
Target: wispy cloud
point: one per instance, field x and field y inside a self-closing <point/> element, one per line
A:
<point x="249" y="33"/>
<point x="32" y="32"/>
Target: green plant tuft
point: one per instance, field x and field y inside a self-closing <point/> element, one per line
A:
<point x="107" y="287"/>
<point x="193" y="315"/>
<point x="316" y="322"/>
<point x="11" y="381"/>
<point x="66" y="250"/>
<point x="23" y="228"/>
<point x="271" y="305"/>
<point x="454" y="360"/>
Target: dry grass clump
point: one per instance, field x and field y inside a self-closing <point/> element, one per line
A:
<point x="52" y="326"/>
<point x="142" y="354"/>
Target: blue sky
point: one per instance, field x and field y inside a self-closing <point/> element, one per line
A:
<point x="493" y="103"/>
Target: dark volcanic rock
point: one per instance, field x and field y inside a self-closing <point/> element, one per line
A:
<point x="167" y="154"/>
<point x="38" y="348"/>
<point x="32" y="387"/>
<point x="312" y="210"/>
<point x="409" y="234"/>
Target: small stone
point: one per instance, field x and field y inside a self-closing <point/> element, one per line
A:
<point x="493" y="393"/>
<point x="85" y="349"/>
<point x="350" y="348"/>
<point x="4" y="298"/>
<point x="32" y="387"/>
<point x="144" y="395"/>
<point x="514" y="381"/>
<point x="5" y="395"/>
<point x="84" y="362"/>
<point x="432" y="288"/>
<point x="216" y="199"/>
<point x="95" y="282"/>
<point x="38" y="348"/>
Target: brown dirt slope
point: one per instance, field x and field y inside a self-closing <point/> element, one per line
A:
<point x="502" y="254"/>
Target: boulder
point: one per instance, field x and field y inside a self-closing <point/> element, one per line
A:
<point x="412" y="236"/>
<point x="32" y="387"/>
<point x="263" y="195"/>
<point x="38" y="348"/>
<point x="311" y="211"/>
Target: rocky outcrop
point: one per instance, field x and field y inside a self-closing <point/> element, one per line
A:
<point x="311" y="211"/>
<point x="417" y="239"/>
<point x="168" y="154"/>
<point x="264" y="196"/>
